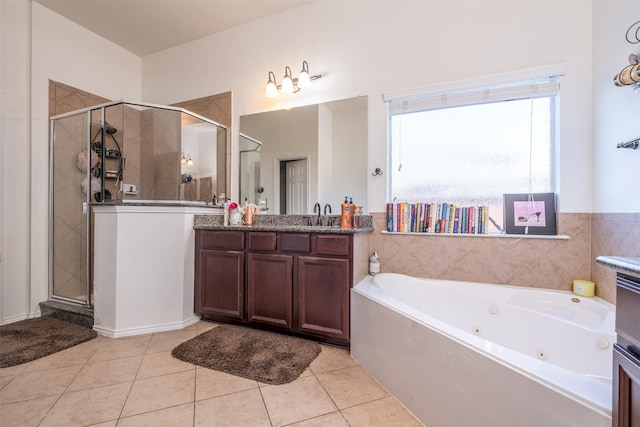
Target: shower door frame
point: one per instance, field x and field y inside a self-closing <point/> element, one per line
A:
<point x="85" y="206"/>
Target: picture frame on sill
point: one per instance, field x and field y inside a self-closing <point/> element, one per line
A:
<point x="530" y="213"/>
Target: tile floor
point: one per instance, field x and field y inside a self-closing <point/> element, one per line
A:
<point x="135" y="381"/>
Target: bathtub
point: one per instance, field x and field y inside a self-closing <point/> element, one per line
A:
<point x="473" y="354"/>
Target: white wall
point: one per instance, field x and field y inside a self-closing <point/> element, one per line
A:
<point x="616" y="110"/>
<point x="38" y="45"/>
<point x="368" y="48"/>
<point x="15" y="33"/>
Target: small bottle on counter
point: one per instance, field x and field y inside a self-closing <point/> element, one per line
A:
<point x="346" y="214"/>
<point x="374" y="264"/>
<point x="226" y="214"/>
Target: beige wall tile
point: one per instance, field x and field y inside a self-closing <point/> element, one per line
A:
<point x="541" y="263"/>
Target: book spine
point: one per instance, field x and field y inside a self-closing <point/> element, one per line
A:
<point x="389" y="216"/>
<point x="456" y="219"/>
<point x="465" y="219"/>
<point x="444" y="221"/>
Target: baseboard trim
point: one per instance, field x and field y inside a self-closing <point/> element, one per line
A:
<point x="119" y="333"/>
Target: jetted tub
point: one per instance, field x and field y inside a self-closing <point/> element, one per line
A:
<point x="473" y="354"/>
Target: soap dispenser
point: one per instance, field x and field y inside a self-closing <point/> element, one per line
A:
<point x="346" y="214"/>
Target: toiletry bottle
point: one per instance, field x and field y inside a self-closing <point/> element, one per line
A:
<point x="226" y="214"/>
<point x="354" y="218"/>
<point x="248" y="214"/>
<point x="374" y="264"/>
<point x="346" y="214"/>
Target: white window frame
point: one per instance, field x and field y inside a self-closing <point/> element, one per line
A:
<point x="523" y="84"/>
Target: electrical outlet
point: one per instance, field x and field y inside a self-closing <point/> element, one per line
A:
<point x="130" y="189"/>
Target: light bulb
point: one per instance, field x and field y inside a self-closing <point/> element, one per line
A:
<point x="271" y="89"/>
<point x="183" y="160"/>
<point x="287" y="82"/>
<point x="303" y="79"/>
<point x="189" y="161"/>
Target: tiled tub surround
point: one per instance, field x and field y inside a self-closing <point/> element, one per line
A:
<point x="612" y="234"/>
<point x="538" y="263"/>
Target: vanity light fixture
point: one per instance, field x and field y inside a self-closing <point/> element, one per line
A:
<point x="289" y="83"/>
<point x="186" y="160"/>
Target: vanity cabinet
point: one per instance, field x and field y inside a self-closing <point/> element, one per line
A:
<point x="323" y="298"/>
<point x="219" y="275"/>
<point x="270" y="290"/>
<point x="626" y="353"/>
<point x="292" y="282"/>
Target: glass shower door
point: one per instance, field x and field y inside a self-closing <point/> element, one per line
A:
<point x="70" y="225"/>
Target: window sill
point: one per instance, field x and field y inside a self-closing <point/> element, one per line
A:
<point x="490" y="235"/>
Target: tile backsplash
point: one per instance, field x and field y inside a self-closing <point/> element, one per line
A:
<point x="540" y="263"/>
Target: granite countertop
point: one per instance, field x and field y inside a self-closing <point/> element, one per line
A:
<point x="625" y="265"/>
<point x="286" y="223"/>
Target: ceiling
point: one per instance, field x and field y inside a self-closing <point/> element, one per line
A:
<point x="148" y="26"/>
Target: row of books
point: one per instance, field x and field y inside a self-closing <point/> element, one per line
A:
<point x="437" y="218"/>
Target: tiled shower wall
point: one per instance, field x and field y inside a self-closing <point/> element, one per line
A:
<point x="540" y="263"/>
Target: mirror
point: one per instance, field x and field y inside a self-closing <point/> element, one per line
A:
<point x="291" y="159"/>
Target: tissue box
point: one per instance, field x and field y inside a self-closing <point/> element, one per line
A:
<point x="584" y="288"/>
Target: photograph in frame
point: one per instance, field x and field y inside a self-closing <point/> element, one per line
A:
<point x="530" y="213"/>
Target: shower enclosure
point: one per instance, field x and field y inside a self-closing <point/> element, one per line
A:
<point x="117" y="153"/>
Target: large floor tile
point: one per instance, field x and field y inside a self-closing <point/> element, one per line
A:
<point x="76" y="355"/>
<point x="38" y="384"/>
<point x="106" y="372"/>
<point x="331" y="359"/>
<point x="162" y="363"/>
<point x="26" y="413"/>
<point x="210" y="383"/>
<point x="245" y="408"/>
<point x="351" y="386"/>
<point x="380" y="413"/>
<point x="87" y="407"/>
<point x="302" y="399"/>
<point x="14" y="370"/>
<point x="5" y="380"/>
<point x="116" y="348"/>
<point x="155" y="393"/>
<point x="334" y="419"/>
<point x="167" y="341"/>
<point x="176" y="416"/>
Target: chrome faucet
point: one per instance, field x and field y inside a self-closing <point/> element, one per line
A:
<point x="325" y="208"/>
<point x="316" y="209"/>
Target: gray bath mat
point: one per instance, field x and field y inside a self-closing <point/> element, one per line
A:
<point x="31" y="339"/>
<point x="266" y="357"/>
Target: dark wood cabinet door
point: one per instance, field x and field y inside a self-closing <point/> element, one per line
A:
<point x="626" y="384"/>
<point x="220" y="284"/>
<point x="323" y="296"/>
<point x="270" y="289"/>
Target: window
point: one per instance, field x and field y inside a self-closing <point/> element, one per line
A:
<point x="469" y="146"/>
